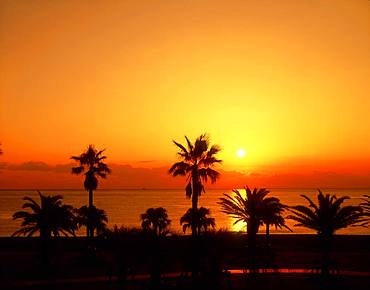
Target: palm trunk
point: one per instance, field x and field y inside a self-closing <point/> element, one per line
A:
<point x="325" y="255"/>
<point x="45" y="236"/>
<point x="251" y="240"/>
<point x="194" y="228"/>
<point x="155" y="272"/>
<point x="251" y="234"/>
<point x="90" y="229"/>
<point x="194" y="203"/>
<point x="251" y="243"/>
<point x="268" y="235"/>
<point x="194" y="213"/>
<point x="325" y="263"/>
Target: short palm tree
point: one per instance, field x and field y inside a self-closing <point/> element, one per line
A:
<point x="92" y="166"/>
<point x="273" y="216"/>
<point x="200" y="220"/>
<point x="254" y="210"/>
<point x="197" y="164"/>
<point x="155" y="220"/>
<point x="93" y="218"/>
<point x="49" y="217"/>
<point x="326" y="217"/>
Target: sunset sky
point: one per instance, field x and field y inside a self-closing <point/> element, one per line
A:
<point x="285" y="81"/>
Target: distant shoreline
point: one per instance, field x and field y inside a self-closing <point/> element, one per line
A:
<point x="181" y="188"/>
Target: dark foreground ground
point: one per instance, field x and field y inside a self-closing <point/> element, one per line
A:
<point x="126" y="262"/>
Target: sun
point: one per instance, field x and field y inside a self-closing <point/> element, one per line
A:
<point x="240" y="153"/>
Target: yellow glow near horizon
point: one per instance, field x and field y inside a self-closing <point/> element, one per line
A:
<point x="238" y="227"/>
<point x="286" y="79"/>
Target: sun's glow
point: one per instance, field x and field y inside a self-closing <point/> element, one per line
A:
<point x="170" y="63"/>
<point x="238" y="227"/>
<point x="240" y="153"/>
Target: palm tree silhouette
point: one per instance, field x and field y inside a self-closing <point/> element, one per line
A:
<point x="91" y="163"/>
<point x="197" y="164"/>
<point x="155" y="220"/>
<point x="326" y="217"/>
<point x="49" y="217"/>
<point x="254" y="209"/>
<point x="92" y="218"/>
<point x="199" y="220"/>
<point x="273" y="216"/>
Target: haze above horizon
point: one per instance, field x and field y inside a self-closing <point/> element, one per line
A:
<point x="282" y="86"/>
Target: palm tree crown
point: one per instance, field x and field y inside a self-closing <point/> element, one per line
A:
<point x="327" y="216"/>
<point x="93" y="218"/>
<point x="197" y="162"/>
<point x="273" y="216"/>
<point x="255" y="209"/>
<point x="155" y="220"/>
<point x="200" y="220"/>
<point x="50" y="217"/>
<point x="91" y="161"/>
<point x="272" y="213"/>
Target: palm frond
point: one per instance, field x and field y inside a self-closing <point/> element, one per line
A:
<point x="197" y="218"/>
<point x="50" y="216"/>
<point x="182" y="147"/>
<point x="179" y="168"/>
<point x="328" y="215"/>
<point x="78" y="169"/>
<point x="210" y="173"/>
<point x="312" y="204"/>
<point x="190" y="146"/>
<point x="189" y="190"/>
<point x="201" y="146"/>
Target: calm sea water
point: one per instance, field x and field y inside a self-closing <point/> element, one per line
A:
<point x="125" y="206"/>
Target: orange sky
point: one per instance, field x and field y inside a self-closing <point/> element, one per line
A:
<point x="288" y="81"/>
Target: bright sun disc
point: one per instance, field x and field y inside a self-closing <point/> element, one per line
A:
<point x="240" y="153"/>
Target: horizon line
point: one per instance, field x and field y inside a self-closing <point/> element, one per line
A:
<point x="179" y="188"/>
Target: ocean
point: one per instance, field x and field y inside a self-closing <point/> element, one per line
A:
<point x="125" y="206"/>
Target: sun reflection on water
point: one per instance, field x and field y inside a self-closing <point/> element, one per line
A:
<point x="238" y="227"/>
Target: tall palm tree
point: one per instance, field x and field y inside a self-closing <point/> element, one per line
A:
<point x="49" y="217"/>
<point x="253" y="210"/>
<point x="155" y="220"/>
<point x="92" y="166"/>
<point x="200" y="220"/>
<point x="197" y="164"/>
<point x="93" y="218"/>
<point x="326" y="217"/>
